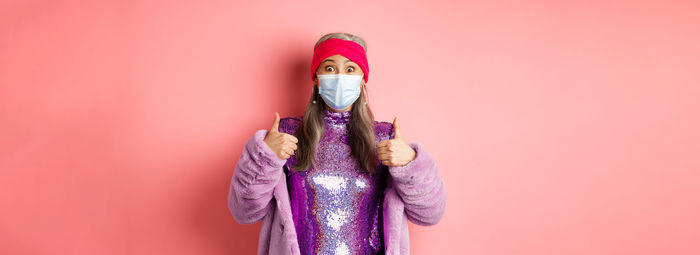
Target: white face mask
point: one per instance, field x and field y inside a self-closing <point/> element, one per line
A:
<point x="339" y="90"/>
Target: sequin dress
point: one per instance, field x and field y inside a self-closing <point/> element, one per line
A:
<point x="337" y="206"/>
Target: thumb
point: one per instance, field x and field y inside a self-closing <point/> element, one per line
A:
<point x="276" y="123"/>
<point x="397" y="132"/>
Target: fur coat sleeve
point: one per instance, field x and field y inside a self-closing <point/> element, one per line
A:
<point x="420" y="187"/>
<point x="257" y="172"/>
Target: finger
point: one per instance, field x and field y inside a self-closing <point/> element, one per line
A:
<point x="383" y="149"/>
<point x="383" y="157"/>
<point x="289" y="151"/>
<point x="291" y="146"/>
<point x="276" y="123"/>
<point x="397" y="132"/>
<point x="292" y="138"/>
<point x="387" y="163"/>
<point x="382" y="143"/>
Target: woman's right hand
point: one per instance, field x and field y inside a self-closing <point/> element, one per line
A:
<point x="282" y="144"/>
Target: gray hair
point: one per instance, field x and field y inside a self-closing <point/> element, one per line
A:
<point x="344" y="36"/>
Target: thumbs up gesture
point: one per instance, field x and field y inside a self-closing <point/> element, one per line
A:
<point x="282" y="144"/>
<point x="395" y="152"/>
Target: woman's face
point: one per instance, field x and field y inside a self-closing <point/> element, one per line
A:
<point x="338" y="64"/>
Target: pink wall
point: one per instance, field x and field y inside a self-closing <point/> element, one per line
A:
<point x="558" y="128"/>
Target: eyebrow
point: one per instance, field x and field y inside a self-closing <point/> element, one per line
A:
<point x="347" y="60"/>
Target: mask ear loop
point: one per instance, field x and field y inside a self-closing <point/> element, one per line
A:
<point x="315" y="88"/>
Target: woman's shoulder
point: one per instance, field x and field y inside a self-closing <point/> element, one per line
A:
<point x="384" y="130"/>
<point x="289" y="124"/>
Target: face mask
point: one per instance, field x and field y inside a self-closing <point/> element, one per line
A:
<point x="339" y="90"/>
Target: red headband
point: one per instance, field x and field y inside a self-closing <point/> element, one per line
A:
<point x="348" y="49"/>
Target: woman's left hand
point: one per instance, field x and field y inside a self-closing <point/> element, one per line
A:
<point x="395" y="152"/>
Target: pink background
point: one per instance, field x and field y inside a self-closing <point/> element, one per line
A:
<point x="558" y="128"/>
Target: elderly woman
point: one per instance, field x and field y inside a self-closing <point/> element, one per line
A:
<point x="334" y="181"/>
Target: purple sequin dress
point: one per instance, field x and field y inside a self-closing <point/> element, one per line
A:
<point x="337" y="206"/>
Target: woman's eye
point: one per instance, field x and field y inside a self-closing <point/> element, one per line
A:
<point x="350" y="69"/>
<point x="329" y="68"/>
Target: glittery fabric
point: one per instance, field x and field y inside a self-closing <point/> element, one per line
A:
<point x="336" y="206"/>
<point x="259" y="192"/>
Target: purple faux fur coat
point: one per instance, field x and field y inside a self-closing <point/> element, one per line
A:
<point x="258" y="191"/>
